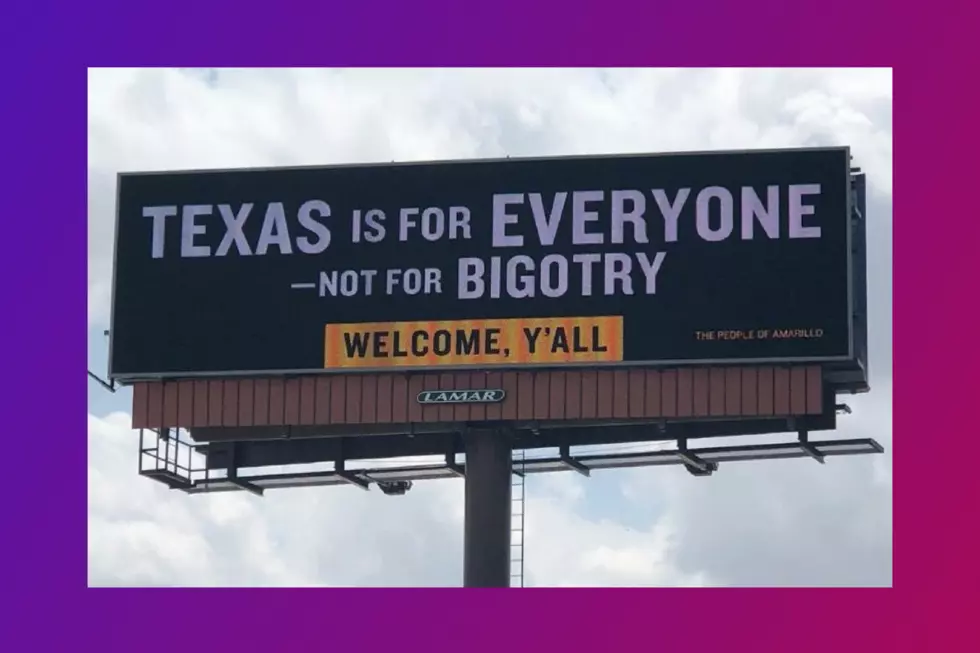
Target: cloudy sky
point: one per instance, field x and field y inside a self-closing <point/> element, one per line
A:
<point x="752" y="524"/>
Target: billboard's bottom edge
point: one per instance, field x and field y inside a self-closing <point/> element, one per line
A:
<point x="150" y="377"/>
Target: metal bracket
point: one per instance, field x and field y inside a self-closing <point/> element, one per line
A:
<point x="842" y="409"/>
<point x="571" y="463"/>
<point x="454" y="466"/>
<point x="108" y="385"/>
<point x="246" y="485"/>
<point x="507" y="432"/>
<point x="808" y="448"/>
<point x="233" y="477"/>
<point x="350" y="477"/>
<point x="696" y="465"/>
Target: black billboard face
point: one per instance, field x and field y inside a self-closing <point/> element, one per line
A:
<point x="640" y="259"/>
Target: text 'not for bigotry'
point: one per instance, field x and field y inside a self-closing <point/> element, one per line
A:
<point x="717" y="211"/>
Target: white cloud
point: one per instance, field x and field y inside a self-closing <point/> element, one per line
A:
<point x="753" y="523"/>
<point x="141" y="533"/>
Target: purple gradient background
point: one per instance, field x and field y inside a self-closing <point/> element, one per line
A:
<point x="46" y="605"/>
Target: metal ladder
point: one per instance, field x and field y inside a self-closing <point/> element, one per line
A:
<point x="517" y="521"/>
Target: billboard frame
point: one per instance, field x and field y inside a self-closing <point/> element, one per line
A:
<point x="849" y="175"/>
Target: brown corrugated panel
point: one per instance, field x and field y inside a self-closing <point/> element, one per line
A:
<point x="300" y="402"/>
<point x="621" y="394"/>
<point x="369" y="399"/>
<point x="201" y="403"/>
<point x="478" y="412"/>
<point x="780" y="387"/>
<point x="797" y="391"/>
<point x="604" y="394"/>
<point x="246" y="402"/>
<point x="733" y="391"/>
<point x="750" y="391"/>
<point x="702" y="392"/>
<point x="461" y="412"/>
<point x="413" y="386"/>
<point x="573" y="394"/>
<point x="386" y="400"/>
<point x="353" y="399"/>
<point x="716" y="388"/>
<point x="140" y="406"/>
<point x="814" y="390"/>
<point x="262" y="402"/>
<point x="637" y="393"/>
<point x="651" y="388"/>
<point x="446" y="411"/>
<point x="277" y="402"/>
<point x="229" y="409"/>
<point x="430" y="413"/>
<point x="338" y="401"/>
<point x="765" y="392"/>
<point x="590" y="394"/>
<point x="185" y="402"/>
<point x="496" y="380"/>
<point x="542" y="395"/>
<point x="668" y="385"/>
<point x="684" y="390"/>
<point x="154" y="405"/>
<point x="557" y="400"/>
<point x="399" y="400"/>
<point x="524" y="398"/>
<point x="530" y="395"/>
<point x="170" y="390"/>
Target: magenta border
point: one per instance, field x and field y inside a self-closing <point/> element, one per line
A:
<point x="48" y="43"/>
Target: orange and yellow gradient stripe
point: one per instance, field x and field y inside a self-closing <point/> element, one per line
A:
<point x="516" y="341"/>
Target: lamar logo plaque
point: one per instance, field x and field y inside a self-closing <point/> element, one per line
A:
<point x="460" y="396"/>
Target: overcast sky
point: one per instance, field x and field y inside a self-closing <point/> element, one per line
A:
<point x="751" y="524"/>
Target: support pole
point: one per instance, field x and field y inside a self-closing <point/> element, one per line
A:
<point x="487" y="527"/>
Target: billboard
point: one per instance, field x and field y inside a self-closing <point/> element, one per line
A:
<point x="691" y="258"/>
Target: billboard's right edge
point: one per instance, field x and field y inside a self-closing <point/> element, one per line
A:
<point x="859" y="278"/>
<point x="849" y="198"/>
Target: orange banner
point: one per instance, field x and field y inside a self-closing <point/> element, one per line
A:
<point x="517" y="341"/>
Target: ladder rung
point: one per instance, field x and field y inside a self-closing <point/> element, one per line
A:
<point x="518" y="492"/>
